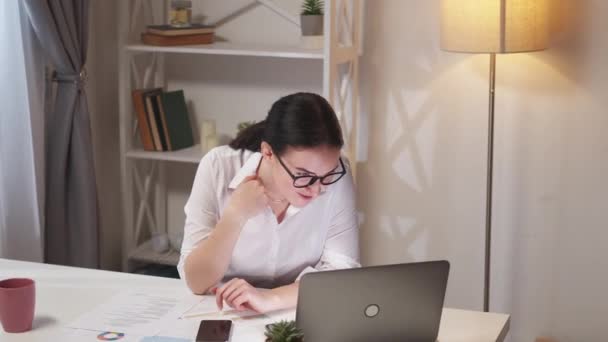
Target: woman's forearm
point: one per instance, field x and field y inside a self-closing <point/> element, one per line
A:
<point x="286" y="296"/>
<point x="206" y="265"/>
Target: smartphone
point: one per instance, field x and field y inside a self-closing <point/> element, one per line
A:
<point x="214" y="331"/>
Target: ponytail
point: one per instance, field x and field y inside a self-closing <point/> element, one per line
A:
<point x="250" y="138"/>
<point x="302" y="120"/>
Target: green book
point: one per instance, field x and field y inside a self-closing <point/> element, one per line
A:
<point x="179" y="131"/>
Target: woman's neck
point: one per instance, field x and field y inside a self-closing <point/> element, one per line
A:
<point x="265" y="176"/>
<point x="277" y="203"/>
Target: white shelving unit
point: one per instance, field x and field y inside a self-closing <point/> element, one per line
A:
<point x="231" y="49"/>
<point x="145" y="253"/>
<point x="192" y="154"/>
<point x="143" y="172"/>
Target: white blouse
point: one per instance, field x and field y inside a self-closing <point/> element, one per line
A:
<point x="320" y="236"/>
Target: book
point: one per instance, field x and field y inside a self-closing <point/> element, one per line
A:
<point x="152" y="118"/>
<point x="142" y="119"/>
<point x="177" y="119"/>
<point x="190" y="39"/>
<point x="162" y="134"/>
<point x="168" y="30"/>
<point x="163" y="122"/>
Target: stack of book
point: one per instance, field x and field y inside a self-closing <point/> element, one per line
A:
<point x="163" y="119"/>
<point x="167" y="35"/>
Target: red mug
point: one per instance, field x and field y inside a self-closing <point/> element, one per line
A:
<point x="17" y="301"/>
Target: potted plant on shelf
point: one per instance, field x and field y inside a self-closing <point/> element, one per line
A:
<point x="244" y="124"/>
<point x="283" y="331"/>
<point x="311" y="18"/>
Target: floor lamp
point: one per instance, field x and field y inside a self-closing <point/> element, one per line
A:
<point x="491" y="27"/>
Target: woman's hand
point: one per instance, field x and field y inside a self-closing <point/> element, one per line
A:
<point x="240" y="295"/>
<point x="248" y="199"/>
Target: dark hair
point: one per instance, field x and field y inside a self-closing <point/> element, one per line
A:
<point x="296" y="120"/>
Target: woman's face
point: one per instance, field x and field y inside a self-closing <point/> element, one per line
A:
<point x="317" y="161"/>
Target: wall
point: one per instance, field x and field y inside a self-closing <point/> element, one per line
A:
<point x="422" y="188"/>
<point x="103" y="106"/>
<point x="422" y="184"/>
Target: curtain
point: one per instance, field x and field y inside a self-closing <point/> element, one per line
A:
<point x="71" y="229"/>
<point x="21" y="136"/>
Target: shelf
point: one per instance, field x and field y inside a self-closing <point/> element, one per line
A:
<point x="234" y="49"/>
<point x="192" y="154"/>
<point x="145" y="173"/>
<point x="145" y="253"/>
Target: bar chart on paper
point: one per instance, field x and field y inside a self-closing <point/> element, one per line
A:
<point x="134" y="313"/>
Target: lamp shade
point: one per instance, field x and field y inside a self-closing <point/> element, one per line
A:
<point x="494" y="26"/>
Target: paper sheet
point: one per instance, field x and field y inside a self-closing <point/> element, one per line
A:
<point x="207" y="309"/>
<point x="81" y="335"/>
<point x="247" y="325"/>
<point x="136" y="313"/>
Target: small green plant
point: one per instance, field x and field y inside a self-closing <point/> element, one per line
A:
<point x="242" y="125"/>
<point x="283" y="331"/>
<point x="312" y="7"/>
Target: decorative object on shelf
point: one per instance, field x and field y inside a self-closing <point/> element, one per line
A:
<point x="209" y="138"/>
<point x="180" y="14"/>
<point x="169" y="35"/>
<point x="160" y="242"/>
<point x="176" y="240"/>
<point x="311" y="18"/>
<point x="168" y="30"/>
<point x="211" y="142"/>
<point x="146" y="254"/>
<point x="492" y="27"/>
<point x="176" y="40"/>
<point x="242" y="125"/>
<point x="311" y="23"/>
<point x="283" y="331"/>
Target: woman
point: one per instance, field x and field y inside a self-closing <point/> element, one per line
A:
<point x="275" y="204"/>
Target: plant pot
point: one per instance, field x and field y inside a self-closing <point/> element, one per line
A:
<point x="312" y="25"/>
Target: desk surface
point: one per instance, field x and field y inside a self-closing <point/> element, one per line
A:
<point x="65" y="293"/>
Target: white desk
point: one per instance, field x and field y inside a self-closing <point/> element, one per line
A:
<point x="64" y="293"/>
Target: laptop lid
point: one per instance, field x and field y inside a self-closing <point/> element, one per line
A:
<point x="401" y="302"/>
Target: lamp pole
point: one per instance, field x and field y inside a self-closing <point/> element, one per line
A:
<point x="486" y="288"/>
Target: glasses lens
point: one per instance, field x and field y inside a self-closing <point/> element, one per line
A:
<point x="302" y="181"/>
<point x="331" y="178"/>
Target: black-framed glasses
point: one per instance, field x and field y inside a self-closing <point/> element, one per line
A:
<point x="304" y="181"/>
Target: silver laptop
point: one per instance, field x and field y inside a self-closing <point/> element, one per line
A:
<point x="401" y="302"/>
